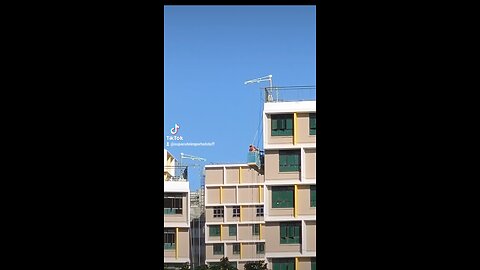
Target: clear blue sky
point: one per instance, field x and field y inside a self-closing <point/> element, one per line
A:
<point x="210" y="51"/>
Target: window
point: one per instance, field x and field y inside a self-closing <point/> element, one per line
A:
<point x="172" y="203"/>
<point x="289" y="161"/>
<point x="260" y="248"/>
<point x="232" y="230"/>
<point x="282" y="124"/>
<point x="282" y="197"/>
<point x="313" y="124"/>
<point x="256" y="229"/>
<point x="259" y="211"/>
<point x="236" y="248"/>
<point x="314" y="264"/>
<point x="283" y="264"/>
<point x="218" y="249"/>
<point x="290" y="233"/>
<point x="214" y="230"/>
<point x="218" y="212"/>
<point x="173" y="266"/>
<point x="169" y="238"/>
<point x="313" y="196"/>
<point x="236" y="211"/>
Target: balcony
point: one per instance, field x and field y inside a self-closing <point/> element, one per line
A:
<point x="290" y="93"/>
<point x="175" y="173"/>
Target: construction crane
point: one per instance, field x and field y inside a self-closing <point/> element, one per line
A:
<point x="264" y="79"/>
<point x="182" y="156"/>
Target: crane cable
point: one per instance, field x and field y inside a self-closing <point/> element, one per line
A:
<point x="259" y="121"/>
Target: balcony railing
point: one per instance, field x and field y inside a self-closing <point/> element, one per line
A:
<point x="290" y="93"/>
<point x="176" y="173"/>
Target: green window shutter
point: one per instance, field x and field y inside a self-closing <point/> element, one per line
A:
<point x="298" y="235"/>
<point x="283" y="162"/>
<point x="255" y="229"/>
<point x="214" y="230"/>
<point x="283" y="159"/>
<point x="281" y="123"/>
<point x="291" y="265"/>
<point x="291" y="162"/>
<point x="291" y="233"/>
<point x="313" y="124"/>
<point x="313" y="121"/>
<point x="275" y="198"/>
<point x="296" y="159"/>
<point x="289" y="126"/>
<point x="283" y="233"/>
<point x="314" y="264"/>
<point x="232" y="230"/>
<point x="289" y="198"/>
<point x="288" y="123"/>
<point x="277" y="266"/>
<point x="313" y="196"/>
<point x="274" y="124"/>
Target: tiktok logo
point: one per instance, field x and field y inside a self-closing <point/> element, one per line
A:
<point x="175" y="129"/>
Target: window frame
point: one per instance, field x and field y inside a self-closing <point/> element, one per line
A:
<point x="236" y="211"/>
<point x="255" y="231"/>
<point x="167" y="242"/>
<point x="232" y="232"/>
<point x="260" y="250"/>
<point x="213" y="230"/>
<point x="220" y="213"/>
<point x="312" y="124"/>
<point x="283" y="197"/>
<point x="175" y="200"/>
<point x="216" y="252"/>
<point x="290" y="233"/>
<point x="289" y="161"/>
<point x="236" y="251"/>
<point x="262" y="212"/>
<point x="313" y="193"/>
<point x="281" y="124"/>
<point x="283" y="263"/>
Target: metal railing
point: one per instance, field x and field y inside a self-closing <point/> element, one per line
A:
<point x="175" y="173"/>
<point x="290" y="93"/>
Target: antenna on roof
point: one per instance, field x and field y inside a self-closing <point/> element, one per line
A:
<point x="263" y="79"/>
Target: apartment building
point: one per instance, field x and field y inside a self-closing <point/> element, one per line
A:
<point x="234" y="213"/>
<point x="266" y="209"/>
<point x="176" y="231"/>
<point x="289" y="141"/>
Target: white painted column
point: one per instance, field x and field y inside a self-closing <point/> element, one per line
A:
<point x="304" y="237"/>
<point x="303" y="167"/>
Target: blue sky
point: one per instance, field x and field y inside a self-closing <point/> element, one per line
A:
<point x="209" y="52"/>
